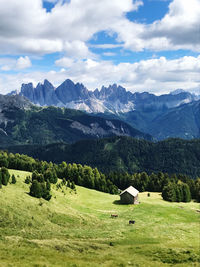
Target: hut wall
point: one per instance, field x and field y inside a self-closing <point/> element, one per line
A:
<point x="126" y="198"/>
<point x="136" y="199"/>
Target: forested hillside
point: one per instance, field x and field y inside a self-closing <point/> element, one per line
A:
<point x="124" y="154"/>
<point x="175" y="188"/>
<point x="23" y="123"/>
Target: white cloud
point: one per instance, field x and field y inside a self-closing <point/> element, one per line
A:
<point x="66" y="62"/>
<point x="157" y="75"/>
<point x="106" y="46"/>
<point x="23" y="63"/>
<point x="109" y="54"/>
<point x="27" y="27"/>
<point x="7" y="64"/>
<point x="77" y="49"/>
<point x="178" y="29"/>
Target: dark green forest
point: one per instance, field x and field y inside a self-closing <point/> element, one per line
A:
<point x="124" y="154"/>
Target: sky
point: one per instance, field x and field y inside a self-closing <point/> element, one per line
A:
<point x="142" y="45"/>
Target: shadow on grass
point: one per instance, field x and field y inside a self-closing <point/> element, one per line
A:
<point x="118" y="202"/>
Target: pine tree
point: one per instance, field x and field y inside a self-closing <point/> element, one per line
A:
<point x="27" y="180"/>
<point x="186" y="193"/>
<point x="36" y="189"/>
<point x="169" y="192"/>
<point x="13" y="181"/>
<point x="179" y="193"/>
<point x="68" y="184"/>
<point x="5" y="175"/>
<point x="46" y="191"/>
<point x="197" y="193"/>
<point x="73" y="185"/>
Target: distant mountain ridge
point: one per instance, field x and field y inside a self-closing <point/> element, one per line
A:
<point x="114" y="99"/>
<point x="169" y="115"/>
<point x="21" y="122"/>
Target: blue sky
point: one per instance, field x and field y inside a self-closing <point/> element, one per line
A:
<point x="143" y="45"/>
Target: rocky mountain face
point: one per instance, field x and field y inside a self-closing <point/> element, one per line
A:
<point x="161" y="116"/>
<point x="14" y="101"/>
<point x="21" y="122"/>
<point x="114" y="99"/>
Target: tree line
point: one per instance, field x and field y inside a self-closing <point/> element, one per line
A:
<point x="178" y="188"/>
<point x="45" y="173"/>
<point x="173" y="187"/>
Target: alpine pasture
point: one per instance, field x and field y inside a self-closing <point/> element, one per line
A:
<point x="76" y="229"/>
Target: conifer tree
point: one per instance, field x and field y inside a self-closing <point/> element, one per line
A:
<point x="27" y="180"/>
<point x="186" y="193"/>
<point x="5" y="175"/>
<point x="169" y="192"/>
<point x="46" y="191"/>
<point x="68" y="184"/>
<point x="13" y="181"/>
<point x="36" y="189"/>
<point x="73" y="185"/>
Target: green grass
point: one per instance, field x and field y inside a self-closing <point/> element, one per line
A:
<point x="77" y="230"/>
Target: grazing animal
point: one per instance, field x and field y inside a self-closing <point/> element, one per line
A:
<point x="131" y="222"/>
<point x="114" y="215"/>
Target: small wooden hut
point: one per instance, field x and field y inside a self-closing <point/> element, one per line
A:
<point x="129" y="196"/>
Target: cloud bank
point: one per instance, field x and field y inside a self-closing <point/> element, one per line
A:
<point x="27" y="30"/>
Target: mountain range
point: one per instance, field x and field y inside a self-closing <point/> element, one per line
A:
<point x="169" y="115"/>
<point x="21" y="122"/>
<point x="114" y="99"/>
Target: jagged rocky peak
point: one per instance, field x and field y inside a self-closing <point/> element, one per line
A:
<point x="48" y="84"/>
<point x="113" y="98"/>
<point x="43" y="94"/>
<point x="27" y="90"/>
<point x="69" y="91"/>
<point x="113" y="93"/>
<point x="177" y="91"/>
<point x="112" y="89"/>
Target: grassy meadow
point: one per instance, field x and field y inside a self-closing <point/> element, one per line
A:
<point x="77" y="229"/>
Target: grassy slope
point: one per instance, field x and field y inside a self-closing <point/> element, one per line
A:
<point x="76" y="230"/>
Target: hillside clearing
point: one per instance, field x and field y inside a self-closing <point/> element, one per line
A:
<point x="77" y="230"/>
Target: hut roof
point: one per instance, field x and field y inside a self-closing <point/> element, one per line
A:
<point x="131" y="190"/>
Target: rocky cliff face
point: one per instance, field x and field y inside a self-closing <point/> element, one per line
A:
<point x="168" y="115"/>
<point x="43" y="94"/>
<point x="114" y="99"/>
